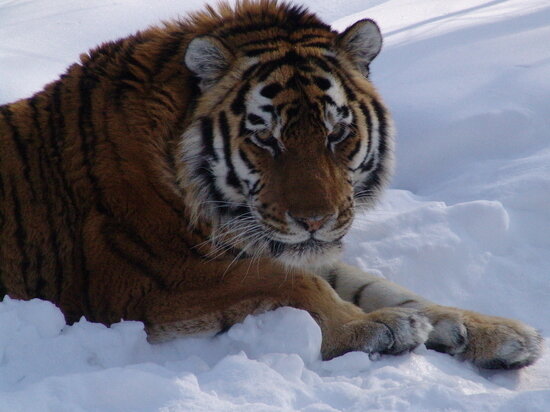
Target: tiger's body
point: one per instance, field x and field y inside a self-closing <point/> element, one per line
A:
<point x="201" y="171"/>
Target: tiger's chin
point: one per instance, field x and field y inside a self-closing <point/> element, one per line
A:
<point x="311" y="253"/>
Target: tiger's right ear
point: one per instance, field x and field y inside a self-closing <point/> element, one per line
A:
<point x="362" y="41"/>
<point x="208" y="58"/>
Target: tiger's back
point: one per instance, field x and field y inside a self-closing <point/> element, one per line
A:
<point x="76" y="161"/>
<point x="34" y="216"/>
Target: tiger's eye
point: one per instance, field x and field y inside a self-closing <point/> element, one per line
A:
<point x="339" y="133"/>
<point x="267" y="141"/>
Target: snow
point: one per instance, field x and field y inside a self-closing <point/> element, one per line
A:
<point x="466" y="223"/>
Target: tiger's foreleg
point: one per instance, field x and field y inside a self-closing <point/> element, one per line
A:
<point x="487" y="341"/>
<point x="230" y="298"/>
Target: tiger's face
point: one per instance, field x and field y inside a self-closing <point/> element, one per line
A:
<point x="286" y="142"/>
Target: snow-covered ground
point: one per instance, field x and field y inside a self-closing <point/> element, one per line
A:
<point x="467" y="223"/>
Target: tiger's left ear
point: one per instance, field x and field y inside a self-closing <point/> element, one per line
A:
<point x="362" y="41"/>
<point x="208" y="58"/>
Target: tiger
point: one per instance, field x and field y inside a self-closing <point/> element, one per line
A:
<point x="206" y="169"/>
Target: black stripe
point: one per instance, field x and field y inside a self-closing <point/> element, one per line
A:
<point x="168" y="51"/>
<point x="130" y="236"/>
<point x="20" y="146"/>
<point x="140" y="265"/>
<point x="231" y="178"/>
<point x="110" y="48"/>
<point x="328" y="100"/>
<point x="257" y="52"/>
<point x="238" y="104"/>
<point x="243" y="130"/>
<point x="289" y="23"/>
<point x="374" y="177"/>
<point x="42" y="174"/>
<point x="269" y="108"/>
<point x="21" y="238"/>
<point x="267" y="68"/>
<point x="172" y="105"/>
<point x="207" y="134"/>
<point x="125" y="74"/>
<point x="2" y="195"/>
<point x="206" y="173"/>
<point x="31" y="256"/>
<point x="406" y="302"/>
<point x="56" y="126"/>
<point x="343" y="111"/>
<point x="333" y="66"/>
<point x="86" y="85"/>
<point x="63" y="191"/>
<point x="366" y="113"/>
<point x="382" y="127"/>
<point x="322" y="82"/>
<point x="306" y="68"/>
<point x="247" y="161"/>
<point x="292" y="112"/>
<point x="114" y="152"/>
<point x="132" y="61"/>
<point x="249" y="29"/>
<point x="355" y="150"/>
<point x="318" y="61"/>
<point x="271" y="90"/>
<point x="357" y="295"/>
<point x="249" y="73"/>
<point x="332" y="279"/>
<point x="269" y="216"/>
<point x="57" y="120"/>
<point x="242" y="210"/>
<point x="291" y="58"/>
<point x="256" y="188"/>
<point x="296" y="82"/>
<point x="3" y="290"/>
<point x="255" y="119"/>
<point x="40" y="283"/>
<point x="265" y="41"/>
<point x="307" y="37"/>
<point x="318" y="44"/>
<point x="337" y="136"/>
<point x="276" y="248"/>
<point x="225" y="324"/>
<point x="56" y="136"/>
<point x="46" y="174"/>
<point x="282" y="38"/>
<point x="2" y="188"/>
<point x="89" y="138"/>
<point x="270" y="143"/>
<point x="176" y="208"/>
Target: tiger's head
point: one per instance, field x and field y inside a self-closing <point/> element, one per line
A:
<point x="288" y="134"/>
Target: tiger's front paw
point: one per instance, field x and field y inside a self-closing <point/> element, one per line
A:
<point x="487" y="341"/>
<point x="385" y="331"/>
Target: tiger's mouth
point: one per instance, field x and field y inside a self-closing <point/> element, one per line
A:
<point x="309" y="252"/>
<point x="253" y="234"/>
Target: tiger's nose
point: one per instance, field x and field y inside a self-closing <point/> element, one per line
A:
<point x="311" y="223"/>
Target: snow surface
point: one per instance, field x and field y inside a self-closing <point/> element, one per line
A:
<point x="467" y="223"/>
